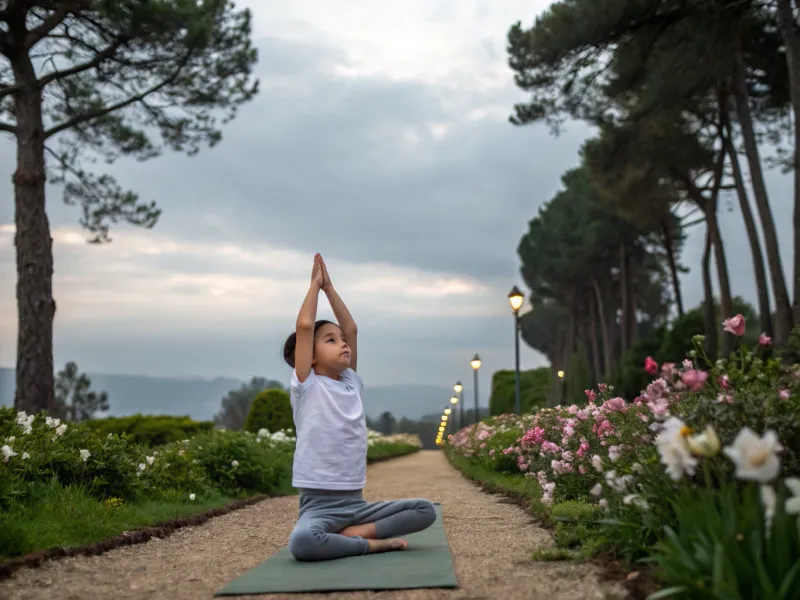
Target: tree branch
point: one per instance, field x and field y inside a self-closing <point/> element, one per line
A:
<point x="104" y="54"/>
<point x="36" y="34"/>
<point x="95" y="114"/>
<point x="8" y="127"/>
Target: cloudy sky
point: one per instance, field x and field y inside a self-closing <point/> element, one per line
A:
<point x="380" y="139"/>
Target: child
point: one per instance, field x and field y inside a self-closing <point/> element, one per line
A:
<point x="330" y="462"/>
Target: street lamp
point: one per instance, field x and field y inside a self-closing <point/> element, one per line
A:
<point x="459" y="389"/>
<point x="475" y="363"/>
<point x="515" y="298"/>
<point x="563" y="387"/>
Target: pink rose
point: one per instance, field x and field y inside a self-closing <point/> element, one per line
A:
<point x="734" y="325"/>
<point x="764" y="340"/>
<point x="650" y="365"/>
<point x="694" y="379"/>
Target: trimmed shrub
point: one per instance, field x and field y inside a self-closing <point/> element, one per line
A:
<point x="271" y="410"/>
<point x="533" y="386"/>
<point x="151" y="430"/>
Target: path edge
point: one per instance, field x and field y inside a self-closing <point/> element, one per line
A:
<point x="126" y="538"/>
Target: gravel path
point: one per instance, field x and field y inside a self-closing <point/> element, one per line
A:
<point x="490" y="541"/>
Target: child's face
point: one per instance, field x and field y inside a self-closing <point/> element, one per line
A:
<point x="330" y="348"/>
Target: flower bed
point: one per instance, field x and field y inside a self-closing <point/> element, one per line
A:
<point x="696" y="475"/>
<point x="62" y="484"/>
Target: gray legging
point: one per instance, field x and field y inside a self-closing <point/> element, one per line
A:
<point x="325" y="513"/>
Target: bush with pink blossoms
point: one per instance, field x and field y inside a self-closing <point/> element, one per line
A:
<point x="611" y="454"/>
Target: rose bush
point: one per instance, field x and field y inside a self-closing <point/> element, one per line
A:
<point x="638" y="466"/>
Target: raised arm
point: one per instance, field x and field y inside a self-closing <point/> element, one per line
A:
<point x="304" y="328"/>
<point x="343" y="317"/>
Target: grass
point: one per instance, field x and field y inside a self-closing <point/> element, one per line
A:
<point x="383" y="451"/>
<point x="68" y="516"/>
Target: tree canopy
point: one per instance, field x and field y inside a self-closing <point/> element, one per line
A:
<point x="684" y="97"/>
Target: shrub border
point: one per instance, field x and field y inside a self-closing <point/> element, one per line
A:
<point x="140" y="536"/>
<point x="611" y="569"/>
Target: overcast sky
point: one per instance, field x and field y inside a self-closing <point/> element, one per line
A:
<point x="380" y="139"/>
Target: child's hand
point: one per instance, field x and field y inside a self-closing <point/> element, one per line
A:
<point x="318" y="272"/>
<point x="327" y="286"/>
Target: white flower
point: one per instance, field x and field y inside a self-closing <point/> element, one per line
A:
<point x="192" y="496"/>
<point x="613" y="453"/>
<point x="793" y="504"/>
<point x="755" y="457"/>
<point x="769" y="499"/>
<point x="10" y="439"/>
<point x="52" y="422"/>
<point x="597" y="463"/>
<point x="142" y="466"/>
<point x="638" y="468"/>
<point x="263" y="432"/>
<point x="109" y="436"/>
<point x="704" y="444"/>
<point x="25" y="421"/>
<point x="22" y="416"/>
<point x="61" y="428"/>
<point x="597" y="490"/>
<point x="603" y="502"/>
<point x="635" y="500"/>
<point x="25" y="456"/>
<point x="150" y="459"/>
<point x="234" y="463"/>
<point x="7" y="452"/>
<point x="85" y="454"/>
<point x="674" y="450"/>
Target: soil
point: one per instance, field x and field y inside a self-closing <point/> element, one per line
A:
<point x="491" y="541"/>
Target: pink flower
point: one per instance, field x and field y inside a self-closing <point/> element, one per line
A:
<point x="602" y="387"/>
<point x="491" y="452"/>
<point x="615" y="404"/>
<point x="584" y="447"/>
<point x="784" y="394"/>
<point x="694" y="379"/>
<point x="590" y="395"/>
<point x="725" y="382"/>
<point x="727" y="398"/>
<point x="764" y="340"/>
<point x="650" y="365"/>
<point x="566" y="455"/>
<point x="734" y="325"/>
<point x="667" y="369"/>
<point x="482" y="446"/>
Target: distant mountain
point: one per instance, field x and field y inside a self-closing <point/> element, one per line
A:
<point x="200" y="398"/>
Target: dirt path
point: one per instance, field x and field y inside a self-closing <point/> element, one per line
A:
<point x="490" y="541"/>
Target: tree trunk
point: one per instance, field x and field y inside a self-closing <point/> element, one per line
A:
<point x="598" y="372"/>
<point x="783" y="309"/>
<point x="765" y="314"/>
<point x="624" y="284"/>
<point x="791" y="36"/>
<point x="709" y="309"/>
<point x="601" y="311"/>
<point x="34" y="246"/>
<point x="725" y="298"/>
<point x="669" y="246"/>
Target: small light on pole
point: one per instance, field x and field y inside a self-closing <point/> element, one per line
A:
<point x="459" y="389"/>
<point x="475" y="363"/>
<point x="515" y="299"/>
<point x="562" y="386"/>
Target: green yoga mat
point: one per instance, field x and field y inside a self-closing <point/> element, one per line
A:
<point x="426" y="563"/>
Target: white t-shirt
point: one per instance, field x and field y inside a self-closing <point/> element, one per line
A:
<point x="331" y="451"/>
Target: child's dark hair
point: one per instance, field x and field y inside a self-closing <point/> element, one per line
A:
<point x="291" y="342"/>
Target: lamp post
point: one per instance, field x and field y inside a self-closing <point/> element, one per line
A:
<point x="475" y="363"/>
<point x="515" y="298"/>
<point x="459" y="389"/>
<point x="562" y="386"/>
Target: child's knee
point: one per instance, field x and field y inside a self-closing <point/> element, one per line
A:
<point x="427" y="512"/>
<point x="303" y="544"/>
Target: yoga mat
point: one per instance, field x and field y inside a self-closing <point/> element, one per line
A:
<point x="426" y="563"/>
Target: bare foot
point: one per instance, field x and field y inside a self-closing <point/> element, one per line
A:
<point x="387" y="545"/>
<point x="366" y="531"/>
